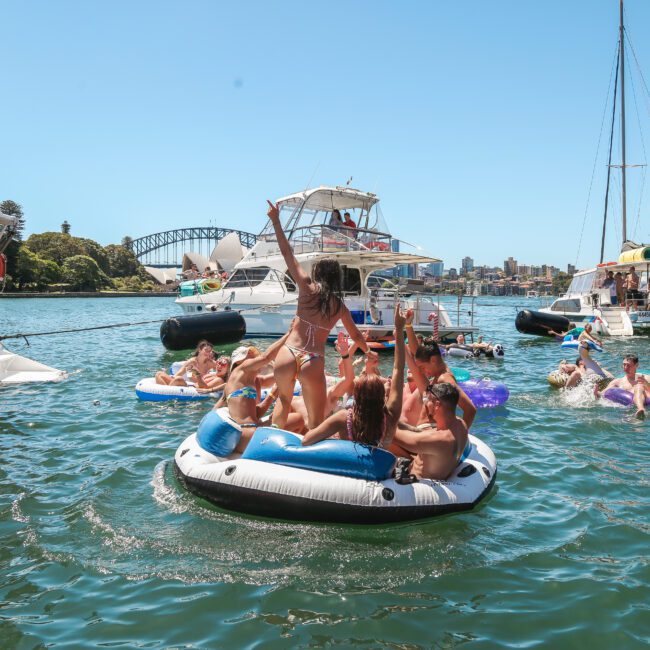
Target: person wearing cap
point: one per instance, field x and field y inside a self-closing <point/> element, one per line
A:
<point x="222" y="433"/>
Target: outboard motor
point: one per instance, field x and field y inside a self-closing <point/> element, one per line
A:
<point x="539" y="323"/>
<point x="220" y="328"/>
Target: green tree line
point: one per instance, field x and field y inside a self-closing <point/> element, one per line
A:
<point x="60" y="261"/>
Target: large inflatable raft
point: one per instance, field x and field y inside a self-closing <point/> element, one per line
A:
<point x="332" y="481"/>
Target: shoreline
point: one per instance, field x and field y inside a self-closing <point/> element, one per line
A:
<point x="92" y="294"/>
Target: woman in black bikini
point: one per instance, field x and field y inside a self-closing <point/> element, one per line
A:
<point x="320" y="306"/>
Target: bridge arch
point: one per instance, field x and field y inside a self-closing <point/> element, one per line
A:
<point x="144" y="247"/>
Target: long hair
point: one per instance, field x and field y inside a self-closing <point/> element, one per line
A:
<point x="327" y="274"/>
<point x="369" y="410"/>
<point x="200" y="345"/>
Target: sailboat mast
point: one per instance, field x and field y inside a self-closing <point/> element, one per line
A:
<point x="622" y="64"/>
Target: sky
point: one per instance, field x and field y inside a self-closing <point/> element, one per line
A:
<point x="482" y="126"/>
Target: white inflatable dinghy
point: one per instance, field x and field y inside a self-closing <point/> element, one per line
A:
<point x="15" y="369"/>
<point x="331" y="481"/>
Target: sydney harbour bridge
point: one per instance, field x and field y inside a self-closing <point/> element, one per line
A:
<point x="166" y="249"/>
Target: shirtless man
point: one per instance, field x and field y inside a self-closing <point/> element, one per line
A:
<point x="426" y="366"/>
<point x="438" y="445"/>
<point x="632" y="382"/>
<point x="632" y="286"/>
<point x="576" y="372"/>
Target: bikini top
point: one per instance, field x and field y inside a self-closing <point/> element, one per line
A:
<point x="311" y="331"/>
<point x="248" y="392"/>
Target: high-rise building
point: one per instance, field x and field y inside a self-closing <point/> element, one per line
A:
<point x="435" y="269"/>
<point x="453" y="274"/>
<point x="570" y="269"/>
<point x="467" y="265"/>
<point x="510" y="267"/>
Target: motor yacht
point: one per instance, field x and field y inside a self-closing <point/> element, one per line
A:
<point x="261" y="288"/>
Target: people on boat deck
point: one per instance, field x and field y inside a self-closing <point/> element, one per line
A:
<point x="427" y="366"/>
<point x="207" y="272"/>
<point x="320" y="305"/>
<point x="620" y="287"/>
<point x="347" y="221"/>
<point x="440" y="443"/>
<point x="610" y="282"/>
<point x="632" y="286"/>
<point x="373" y="418"/>
<point x="591" y="365"/>
<point x="201" y="370"/>
<point x="192" y="273"/>
<point x="335" y="221"/>
<point x="634" y="382"/>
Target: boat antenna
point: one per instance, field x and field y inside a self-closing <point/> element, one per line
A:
<point x="312" y="176"/>
<point x="622" y="64"/>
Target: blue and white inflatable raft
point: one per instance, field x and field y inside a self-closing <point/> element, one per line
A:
<point x="334" y="481"/>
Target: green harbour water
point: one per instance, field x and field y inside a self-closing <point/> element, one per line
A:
<point x="100" y="546"/>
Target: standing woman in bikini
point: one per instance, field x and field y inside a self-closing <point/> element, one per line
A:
<point x="320" y="306"/>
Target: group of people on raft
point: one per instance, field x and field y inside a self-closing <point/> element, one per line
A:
<point x="637" y="384"/>
<point x="415" y="419"/>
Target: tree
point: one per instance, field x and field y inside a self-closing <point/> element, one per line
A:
<point x="82" y="273"/>
<point x="58" y="246"/>
<point x="32" y="270"/>
<point x="127" y="242"/>
<point x="65" y="228"/>
<point x="122" y="263"/>
<point x="14" y="209"/>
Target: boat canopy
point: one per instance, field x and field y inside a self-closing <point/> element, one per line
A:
<point x="331" y="198"/>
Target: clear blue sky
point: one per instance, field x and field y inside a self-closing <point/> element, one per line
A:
<point x="476" y="121"/>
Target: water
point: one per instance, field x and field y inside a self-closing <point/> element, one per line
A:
<point x="100" y="546"/>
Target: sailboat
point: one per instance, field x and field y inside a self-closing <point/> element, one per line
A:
<point x="587" y="297"/>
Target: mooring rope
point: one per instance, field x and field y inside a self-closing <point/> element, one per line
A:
<point x="79" y="329"/>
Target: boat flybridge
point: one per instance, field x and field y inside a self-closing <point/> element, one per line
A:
<point x="261" y="288"/>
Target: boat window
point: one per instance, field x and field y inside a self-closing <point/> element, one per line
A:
<point x="248" y="277"/>
<point x="568" y="305"/>
<point x="351" y="280"/>
<point x="582" y="283"/>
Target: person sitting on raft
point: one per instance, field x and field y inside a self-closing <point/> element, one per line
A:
<point x="437" y="444"/>
<point x="241" y="396"/>
<point x="583" y="345"/>
<point x="320" y="306"/>
<point x="198" y="369"/>
<point x="373" y="418"/>
<point x="427" y="366"/>
<point x="633" y="382"/>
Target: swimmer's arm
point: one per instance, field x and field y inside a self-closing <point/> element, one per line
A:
<point x="267" y="356"/>
<point x="396" y="393"/>
<point x="298" y="274"/>
<point x="331" y="426"/>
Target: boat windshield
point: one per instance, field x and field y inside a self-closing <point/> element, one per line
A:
<point x="582" y="283"/>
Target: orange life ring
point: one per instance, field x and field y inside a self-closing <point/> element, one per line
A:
<point x="379" y="245"/>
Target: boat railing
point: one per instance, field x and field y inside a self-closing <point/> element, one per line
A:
<point x="337" y="239"/>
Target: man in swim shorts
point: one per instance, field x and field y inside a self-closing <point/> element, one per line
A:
<point x="439" y="443"/>
<point x="633" y="382"/>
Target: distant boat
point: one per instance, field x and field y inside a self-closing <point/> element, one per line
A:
<point x="532" y="294"/>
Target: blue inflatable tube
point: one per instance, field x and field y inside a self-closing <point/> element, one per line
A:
<point x="485" y="393"/>
<point x="574" y="344"/>
<point x="622" y="396"/>
<point x="340" y="457"/>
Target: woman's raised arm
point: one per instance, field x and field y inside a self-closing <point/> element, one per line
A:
<point x="297" y="272"/>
